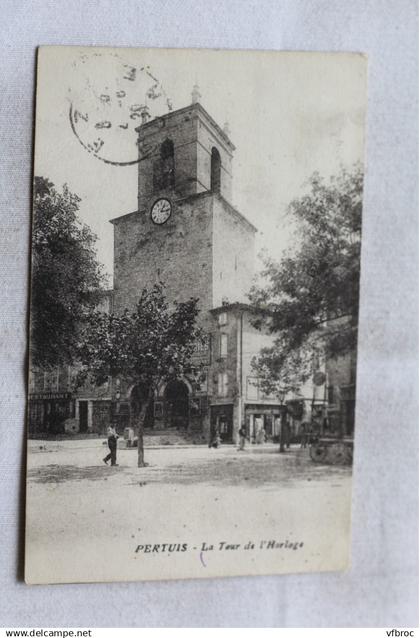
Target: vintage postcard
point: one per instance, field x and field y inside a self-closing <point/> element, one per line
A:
<point x="194" y="310"/>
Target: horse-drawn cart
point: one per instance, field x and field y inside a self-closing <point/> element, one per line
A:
<point x="331" y="449"/>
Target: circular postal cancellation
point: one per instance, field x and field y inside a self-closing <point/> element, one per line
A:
<point x="109" y="98"/>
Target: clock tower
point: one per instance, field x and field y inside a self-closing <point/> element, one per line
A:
<point x="187" y="234"/>
<point x="185" y="231"/>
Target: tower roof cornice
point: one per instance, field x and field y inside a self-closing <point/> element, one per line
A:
<point x="232" y="210"/>
<point x="198" y="111"/>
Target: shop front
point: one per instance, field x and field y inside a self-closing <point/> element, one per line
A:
<point x="260" y="418"/>
<point x="221" y="421"/>
<point x="48" y="412"/>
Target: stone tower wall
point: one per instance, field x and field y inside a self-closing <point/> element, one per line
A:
<point x="178" y="253"/>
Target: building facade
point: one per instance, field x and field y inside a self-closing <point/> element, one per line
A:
<point x="187" y="234"/>
<point x="57" y="405"/>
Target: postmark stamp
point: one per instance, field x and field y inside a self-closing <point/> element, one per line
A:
<point x="105" y="108"/>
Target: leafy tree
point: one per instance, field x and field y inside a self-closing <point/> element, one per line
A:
<point x="152" y="344"/>
<point x="310" y="299"/>
<point x="67" y="281"/>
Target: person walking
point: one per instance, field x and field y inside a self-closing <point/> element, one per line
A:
<point x="112" y="444"/>
<point x="242" y="438"/>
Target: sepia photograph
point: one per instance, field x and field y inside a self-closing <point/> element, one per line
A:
<point x="196" y="239"/>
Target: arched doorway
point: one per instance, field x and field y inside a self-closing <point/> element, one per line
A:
<point x="177" y="405"/>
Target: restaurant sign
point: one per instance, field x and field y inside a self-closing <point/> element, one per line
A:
<point x="50" y="395"/>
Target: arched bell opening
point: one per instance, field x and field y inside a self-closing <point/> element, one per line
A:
<point x="164" y="167"/>
<point x="215" y="171"/>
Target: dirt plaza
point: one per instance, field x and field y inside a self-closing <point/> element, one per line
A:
<point x="186" y="495"/>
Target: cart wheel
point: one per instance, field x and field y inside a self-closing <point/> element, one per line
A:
<point x="338" y="454"/>
<point x="341" y="454"/>
<point x="318" y="453"/>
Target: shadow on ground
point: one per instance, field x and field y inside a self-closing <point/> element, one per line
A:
<point x="61" y="473"/>
<point x="266" y="468"/>
<point x="270" y="472"/>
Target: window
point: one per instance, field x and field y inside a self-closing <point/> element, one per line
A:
<point x="51" y="380"/>
<point x="223" y="345"/>
<point x="164" y="167"/>
<point x="255" y="391"/>
<point x="216" y="165"/>
<point x="223" y="319"/>
<point x="222" y="384"/>
<point x="252" y="393"/>
<point x="38" y="381"/>
<point x="330" y="394"/>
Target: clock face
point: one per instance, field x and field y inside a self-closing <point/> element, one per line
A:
<point x="161" y="211"/>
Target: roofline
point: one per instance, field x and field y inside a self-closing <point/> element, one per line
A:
<point x="238" y="305"/>
<point x="191" y="107"/>
<point x="115" y="219"/>
<point x="235" y="211"/>
<point x="231" y="208"/>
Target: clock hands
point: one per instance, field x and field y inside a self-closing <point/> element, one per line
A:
<point x="161" y="211"/>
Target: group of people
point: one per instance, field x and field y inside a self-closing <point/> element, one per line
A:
<point x="306" y="433"/>
<point x="215" y="439"/>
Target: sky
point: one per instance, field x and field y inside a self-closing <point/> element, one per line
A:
<point x="289" y="114"/>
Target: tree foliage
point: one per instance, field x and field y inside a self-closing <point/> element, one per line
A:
<point x="154" y="343"/>
<point x="310" y="298"/>
<point x="67" y="281"/>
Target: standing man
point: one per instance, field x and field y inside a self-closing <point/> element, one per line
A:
<point x="215" y="439"/>
<point x="112" y="444"/>
<point x="287" y="433"/>
<point x="303" y="430"/>
<point x="242" y="438"/>
<point x="261" y="436"/>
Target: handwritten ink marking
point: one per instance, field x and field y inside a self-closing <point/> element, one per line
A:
<point x="107" y="97"/>
<point x="97" y="144"/>
<point x="80" y="116"/>
<point x="152" y="94"/>
<point x="202" y="561"/>
<point x="105" y="124"/>
<point x="89" y="147"/>
<point x="131" y="73"/>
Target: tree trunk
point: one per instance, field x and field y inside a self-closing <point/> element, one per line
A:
<point x="283" y="418"/>
<point x="142" y="417"/>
